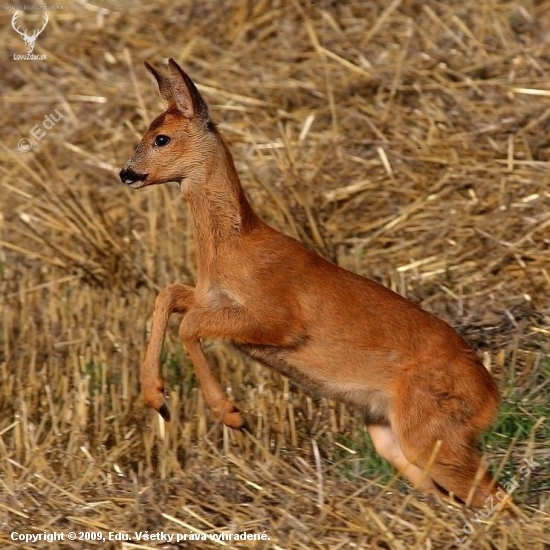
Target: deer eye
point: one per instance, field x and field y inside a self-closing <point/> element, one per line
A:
<point x="162" y="140"/>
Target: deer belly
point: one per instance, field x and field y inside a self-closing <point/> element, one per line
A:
<point x="373" y="402"/>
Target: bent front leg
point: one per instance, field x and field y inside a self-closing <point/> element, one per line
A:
<point x="216" y="399"/>
<point x="232" y="324"/>
<point x="175" y="298"/>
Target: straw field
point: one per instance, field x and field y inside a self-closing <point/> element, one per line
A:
<point x="405" y="140"/>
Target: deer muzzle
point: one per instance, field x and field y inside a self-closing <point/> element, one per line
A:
<point x="131" y="178"/>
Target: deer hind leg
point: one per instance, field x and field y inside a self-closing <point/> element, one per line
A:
<point x="419" y="421"/>
<point x="387" y="446"/>
<point x="173" y="298"/>
<point x="457" y="467"/>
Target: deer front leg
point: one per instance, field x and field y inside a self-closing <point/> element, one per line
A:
<point x="216" y="399"/>
<point x="173" y="298"/>
<point x="231" y="324"/>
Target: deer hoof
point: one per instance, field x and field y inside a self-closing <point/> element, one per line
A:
<point x="164" y="411"/>
<point x="155" y="398"/>
<point x="234" y="420"/>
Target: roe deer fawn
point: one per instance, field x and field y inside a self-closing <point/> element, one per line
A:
<point x="417" y="382"/>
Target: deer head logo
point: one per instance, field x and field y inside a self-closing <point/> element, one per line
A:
<point x="29" y="40"/>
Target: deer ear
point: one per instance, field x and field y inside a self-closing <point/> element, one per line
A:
<point x="186" y="96"/>
<point x="165" y="86"/>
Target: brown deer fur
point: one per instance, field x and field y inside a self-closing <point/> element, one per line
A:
<point x="424" y="393"/>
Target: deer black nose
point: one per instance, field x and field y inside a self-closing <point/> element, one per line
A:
<point x="127" y="176"/>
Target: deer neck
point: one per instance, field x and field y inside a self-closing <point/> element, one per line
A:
<point x="220" y="210"/>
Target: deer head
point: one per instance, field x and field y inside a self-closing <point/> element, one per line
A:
<point x="29" y="40"/>
<point x="174" y="146"/>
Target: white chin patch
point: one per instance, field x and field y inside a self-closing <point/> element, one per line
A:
<point x="135" y="184"/>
